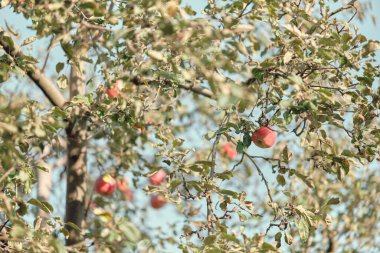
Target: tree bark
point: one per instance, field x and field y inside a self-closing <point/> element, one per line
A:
<point x="76" y="151"/>
<point x="48" y="88"/>
<point x="44" y="181"/>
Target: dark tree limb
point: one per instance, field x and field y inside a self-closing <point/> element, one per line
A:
<point x="77" y="156"/>
<point x="48" y="88"/>
<point x="190" y="87"/>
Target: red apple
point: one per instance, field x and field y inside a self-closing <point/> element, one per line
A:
<point x="229" y="149"/>
<point x="112" y="93"/>
<point x="105" y="185"/>
<point x="264" y="137"/>
<point x="122" y="185"/>
<point x="158" y="177"/>
<point x="158" y="201"/>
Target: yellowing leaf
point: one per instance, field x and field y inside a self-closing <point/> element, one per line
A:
<point x="28" y="41"/>
<point x="243" y="28"/>
<point x="103" y="215"/>
<point x="294" y="30"/>
<point x="287" y="57"/>
<point x="156" y="55"/>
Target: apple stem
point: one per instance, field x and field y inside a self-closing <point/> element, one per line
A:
<point x="263" y="121"/>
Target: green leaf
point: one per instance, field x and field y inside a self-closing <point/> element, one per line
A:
<point x="333" y="201"/>
<point x="303" y="228"/>
<point x="22" y="208"/>
<point x="288" y="239"/>
<point x="285" y="154"/>
<point x="258" y="74"/>
<point x="57" y="246"/>
<point x="8" y="40"/>
<point x="131" y="231"/>
<point x="230" y="193"/>
<point x="210" y="240"/>
<point x="305" y="179"/>
<point x="68" y="49"/>
<point x="43" y="205"/>
<point x="347" y="152"/>
<point x="229" y="237"/>
<point x="202" y="166"/>
<point x="224" y="175"/>
<point x="72" y="225"/>
<point x="178" y="142"/>
<point x="247" y="140"/>
<point x="277" y="238"/>
<point x="162" y="137"/>
<point x="281" y="180"/>
<point x="175" y="183"/>
<point x="284" y="104"/>
<point x="59" y="67"/>
<point x="240" y="147"/>
<point x="268" y="247"/>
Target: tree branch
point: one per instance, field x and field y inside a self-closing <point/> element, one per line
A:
<point x="196" y="89"/>
<point x="347" y="6"/>
<point x="44" y="181"/>
<point x="48" y="88"/>
<point x="261" y="175"/>
<point x="77" y="154"/>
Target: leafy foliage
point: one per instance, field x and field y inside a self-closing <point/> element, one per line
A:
<point x="192" y="81"/>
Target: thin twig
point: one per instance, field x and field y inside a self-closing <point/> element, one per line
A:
<point x="237" y="164"/>
<point x="3" y="226"/>
<point x="261" y="175"/>
<point x="208" y="193"/>
<point x="347" y="6"/>
<point x="48" y="54"/>
<point x="196" y="89"/>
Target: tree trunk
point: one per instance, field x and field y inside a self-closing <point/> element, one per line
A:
<point x="76" y="152"/>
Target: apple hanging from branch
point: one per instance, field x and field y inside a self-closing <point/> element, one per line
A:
<point x="122" y="185"/>
<point x="158" y="201"/>
<point x="264" y="137"/>
<point x="105" y="185"/>
<point x="158" y="177"/>
<point x="114" y="90"/>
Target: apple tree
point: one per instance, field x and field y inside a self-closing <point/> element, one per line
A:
<point x="144" y="126"/>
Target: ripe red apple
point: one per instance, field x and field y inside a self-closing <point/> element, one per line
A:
<point x="122" y="185"/>
<point x="158" y="177"/>
<point x="158" y="201"/>
<point x="113" y="92"/>
<point x="229" y="149"/>
<point x="264" y="137"/>
<point x="105" y="185"/>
